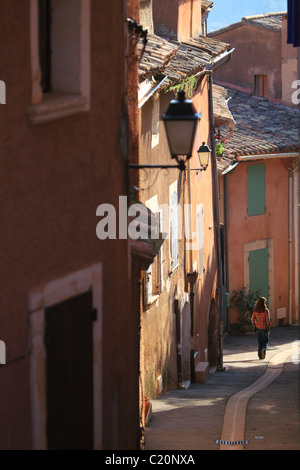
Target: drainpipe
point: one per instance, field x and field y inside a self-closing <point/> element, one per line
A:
<point x="297" y="241"/>
<point x="290" y="246"/>
<point x="226" y="247"/>
<point x="291" y="172"/>
<point x="217" y="225"/>
<point x="222" y="59"/>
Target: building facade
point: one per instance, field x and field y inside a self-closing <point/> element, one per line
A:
<point x="259" y="182"/>
<point x="263" y="62"/>
<point x="68" y="316"/>
<point x="180" y="330"/>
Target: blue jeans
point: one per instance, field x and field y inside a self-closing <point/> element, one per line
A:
<point x="263" y="339"/>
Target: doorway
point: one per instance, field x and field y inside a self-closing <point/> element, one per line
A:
<point x="259" y="272"/>
<point x="69" y="374"/>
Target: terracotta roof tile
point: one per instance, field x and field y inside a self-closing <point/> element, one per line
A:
<point x="205" y="4"/>
<point x="156" y="56"/>
<point x="178" y="60"/>
<point x="262" y="127"/>
<point x="271" y="21"/>
<point x="222" y="114"/>
<point x="192" y="57"/>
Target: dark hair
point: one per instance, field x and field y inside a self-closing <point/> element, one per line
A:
<point x="261" y="305"/>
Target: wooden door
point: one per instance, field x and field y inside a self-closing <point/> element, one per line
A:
<point x="69" y="374"/>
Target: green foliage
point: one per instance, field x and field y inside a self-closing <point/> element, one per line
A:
<point x="188" y="86"/>
<point x="220" y="148"/>
<point x="244" y="301"/>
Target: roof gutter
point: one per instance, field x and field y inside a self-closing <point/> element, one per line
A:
<point x="220" y="60"/>
<point x="151" y="86"/>
<point x="230" y="169"/>
<point x="248" y="158"/>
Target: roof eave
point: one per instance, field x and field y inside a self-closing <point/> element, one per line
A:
<point x="243" y="158"/>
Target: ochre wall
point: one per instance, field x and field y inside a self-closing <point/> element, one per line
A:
<point x="272" y="225"/>
<point x="257" y="52"/>
<point x="53" y="177"/>
<point x="177" y="19"/>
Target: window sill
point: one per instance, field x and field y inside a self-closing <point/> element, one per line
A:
<point x="56" y="106"/>
<point x="152" y="301"/>
<point x="173" y="270"/>
<point x="155" y="140"/>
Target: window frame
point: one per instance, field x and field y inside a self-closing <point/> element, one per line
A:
<point x="57" y="104"/>
<point x="155" y="124"/>
<point x="260" y="85"/>
<point x="153" y="280"/>
<point x="174" y="222"/>
<point x="200" y="234"/>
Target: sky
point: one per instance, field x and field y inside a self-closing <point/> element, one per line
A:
<point x="227" y="12"/>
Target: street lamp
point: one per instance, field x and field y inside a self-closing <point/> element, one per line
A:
<point x="204" y="152"/>
<point x="180" y="121"/>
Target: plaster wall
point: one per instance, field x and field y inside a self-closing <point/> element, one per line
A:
<point x="179" y="19"/>
<point x="255" y="232"/>
<point x="159" y="327"/>
<point x="53" y="178"/>
<point x="257" y="52"/>
<point x="289" y="67"/>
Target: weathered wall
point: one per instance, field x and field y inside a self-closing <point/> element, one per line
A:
<point x="289" y="67"/>
<point x="273" y="226"/>
<point x="53" y="177"/>
<point x="257" y="52"/>
<point x="159" y="325"/>
<point x="179" y="19"/>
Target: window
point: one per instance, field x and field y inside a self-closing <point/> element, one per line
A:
<point x="155" y="121"/>
<point x="60" y="51"/>
<point x="2" y="92"/>
<point x="260" y="85"/>
<point x="174" y="225"/>
<point x="200" y="229"/>
<point x="256" y="189"/>
<point x="45" y="44"/>
<point x="153" y="277"/>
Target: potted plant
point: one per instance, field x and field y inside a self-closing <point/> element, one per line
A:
<point x="244" y="301"/>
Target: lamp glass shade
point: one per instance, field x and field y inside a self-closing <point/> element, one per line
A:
<point x="181" y="136"/>
<point x="181" y="121"/>
<point x="204" y="153"/>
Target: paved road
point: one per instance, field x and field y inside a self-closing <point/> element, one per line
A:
<point x="193" y="419"/>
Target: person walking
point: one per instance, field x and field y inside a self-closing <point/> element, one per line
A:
<point x="262" y="322"/>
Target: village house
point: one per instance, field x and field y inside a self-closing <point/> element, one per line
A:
<point x="259" y="200"/>
<point x="69" y="314"/>
<point x="263" y="62"/>
<point x="182" y="289"/>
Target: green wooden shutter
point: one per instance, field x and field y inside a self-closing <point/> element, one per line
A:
<point x="256" y="189"/>
<point x="259" y="271"/>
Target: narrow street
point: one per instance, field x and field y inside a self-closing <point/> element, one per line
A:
<point x="193" y="419"/>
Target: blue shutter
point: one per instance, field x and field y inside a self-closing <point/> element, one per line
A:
<point x="256" y="189"/>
